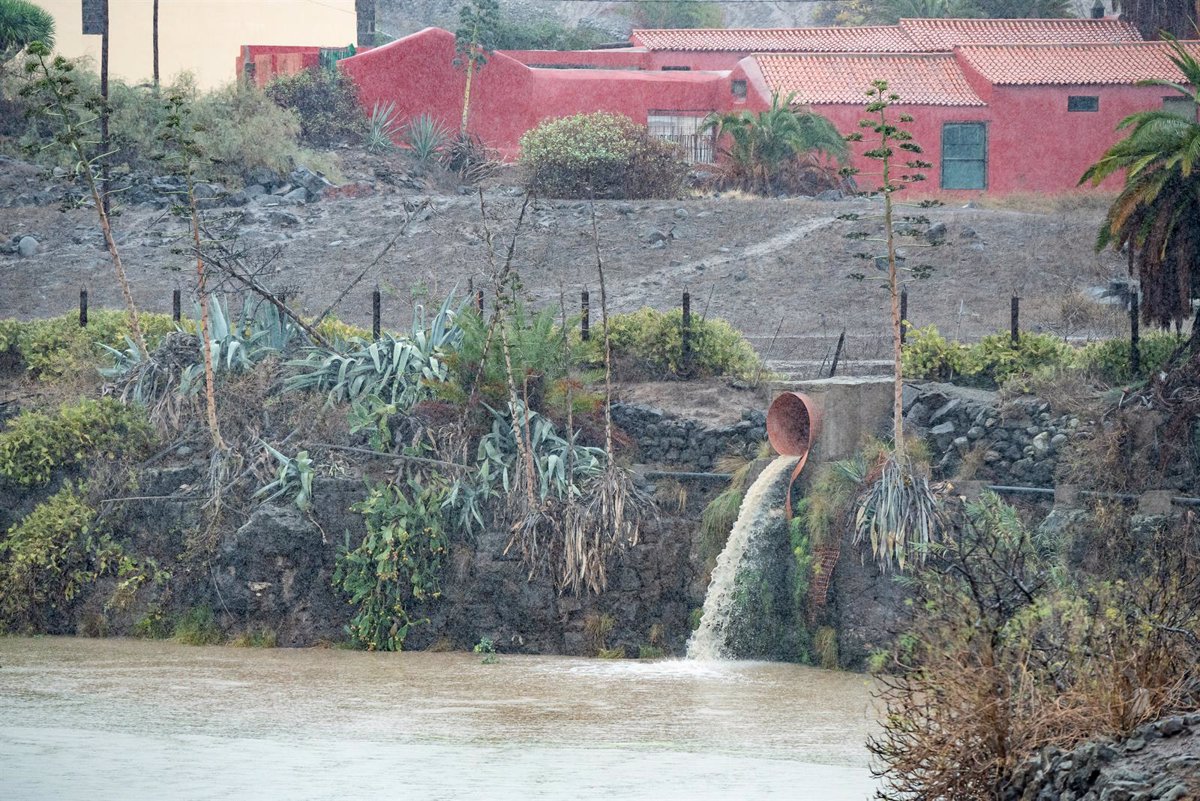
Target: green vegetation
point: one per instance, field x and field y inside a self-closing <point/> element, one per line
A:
<point x="600" y="155"/>
<point x="397" y="566"/>
<point x="675" y="14"/>
<point x="48" y="558"/>
<point x="35" y="444"/>
<point x="198" y="626"/>
<point x="22" y="22"/>
<point x="780" y="148"/>
<point x="58" y="347"/>
<point x="426" y="138"/>
<point x="1009" y="650"/>
<point x="888" y="12"/>
<point x="648" y="342"/>
<point x="326" y="103"/>
<point x="256" y="638"/>
<point x="995" y="360"/>
<point x="487" y="649"/>
<point x="539" y="32"/>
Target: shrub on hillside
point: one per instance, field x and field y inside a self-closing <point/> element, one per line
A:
<point x="989" y="362"/>
<point x="326" y="103"/>
<point x="1109" y="361"/>
<point x="600" y="155"/>
<point x="57" y="346"/>
<point x="650" y="343"/>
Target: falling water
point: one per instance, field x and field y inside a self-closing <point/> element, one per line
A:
<point x="762" y="505"/>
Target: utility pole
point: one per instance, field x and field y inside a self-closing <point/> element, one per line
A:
<point x="155" y="45"/>
<point x="104" y="143"/>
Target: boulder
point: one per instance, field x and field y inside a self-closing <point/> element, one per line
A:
<point x="27" y="247"/>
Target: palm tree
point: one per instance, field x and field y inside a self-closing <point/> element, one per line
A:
<point x="22" y="22"/>
<point x="1157" y="213"/>
<point x="763" y="144"/>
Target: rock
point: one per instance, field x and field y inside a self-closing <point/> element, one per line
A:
<point x="916" y="414"/>
<point x="967" y="233"/>
<point x="936" y="234"/>
<point x="206" y="191"/>
<point x="976" y="432"/>
<point x="1171" y="726"/>
<point x="830" y="194"/>
<point x="962" y="445"/>
<point x="681" y="214"/>
<point x="254" y="190"/>
<point x="296" y="197"/>
<point x="264" y="177"/>
<point x="624" y="208"/>
<point x="278" y="217"/>
<point x="653" y="235"/>
<point x="27" y="247"/>
<point x="948" y="408"/>
<point x="314" y="183"/>
<point x="1134" y="744"/>
<point x="1057" y="440"/>
<point x="1041" y="444"/>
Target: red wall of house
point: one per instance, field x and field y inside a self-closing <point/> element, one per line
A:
<point x="632" y="58"/>
<point x="507" y="97"/>
<point x="1036" y="145"/>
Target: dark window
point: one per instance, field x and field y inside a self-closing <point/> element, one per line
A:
<point x="1183" y="106"/>
<point x="739" y="89"/>
<point x="1083" y="103"/>
<point x="964" y="155"/>
<point x="677" y="69"/>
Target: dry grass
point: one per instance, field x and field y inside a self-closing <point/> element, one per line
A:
<point x="1089" y="201"/>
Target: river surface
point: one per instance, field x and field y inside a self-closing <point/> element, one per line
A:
<point x="133" y="720"/>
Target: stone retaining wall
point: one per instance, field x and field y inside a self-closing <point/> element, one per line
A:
<point x="663" y="438"/>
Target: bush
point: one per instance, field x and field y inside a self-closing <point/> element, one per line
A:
<point x="326" y="103"/>
<point x="48" y="558"/>
<point x="989" y="362"/>
<point x="600" y="155"/>
<point x="35" y="444"/>
<point x="651" y="342"/>
<point x="1108" y="360"/>
<point x="546" y="33"/>
<point x="1009" y="650"/>
<point x="58" y="346"/>
<point x="198" y="626"/>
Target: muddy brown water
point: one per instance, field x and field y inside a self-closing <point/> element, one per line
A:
<point x="131" y="720"/>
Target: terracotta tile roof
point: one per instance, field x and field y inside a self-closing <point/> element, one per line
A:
<point x="945" y="34"/>
<point x="919" y="78"/>
<point x="1025" y="65"/>
<point x="861" y="39"/>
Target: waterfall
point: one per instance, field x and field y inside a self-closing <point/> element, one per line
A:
<point x="761" y="511"/>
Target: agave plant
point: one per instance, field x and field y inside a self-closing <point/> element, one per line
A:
<point x="396" y="369"/>
<point x="898" y="514"/>
<point x="239" y="344"/>
<point x="382" y="128"/>
<point x="293" y="477"/>
<point x="426" y="137"/>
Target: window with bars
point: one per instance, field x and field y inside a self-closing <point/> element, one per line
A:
<point x="684" y="129"/>
<point x="1083" y="103"/>
<point x="1180" y="106"/>
<point x="964" y="155"/>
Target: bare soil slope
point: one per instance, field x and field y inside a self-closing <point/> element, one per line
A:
<point x="770" y="266"/>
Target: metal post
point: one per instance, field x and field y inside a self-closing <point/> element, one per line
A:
<point x="903" y="314"/>
<point x="837" y="354"/>
<point x="376" y="303"/>
<point x="1015" y="321"/>
<point x="585" y="313"/>
<point x="176" y="305"/>
<point x="479" y="301"/>
<point x="83" y="304"/>
<point x="686" y="333"/>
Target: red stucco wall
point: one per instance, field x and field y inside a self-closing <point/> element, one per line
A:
<point x="507" y="97"/>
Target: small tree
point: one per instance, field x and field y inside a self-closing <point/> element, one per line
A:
<point x="183" y="155"/>
<point x="55" y="96"/>
<point x="898" y="509"/>
<point x="675" y="14"/>
<point x="475" y="39"/>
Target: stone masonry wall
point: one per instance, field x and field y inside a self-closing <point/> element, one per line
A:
<point x="665" y="439"/>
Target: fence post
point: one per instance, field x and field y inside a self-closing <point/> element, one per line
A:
<point x="903" y="315"/>
<point x="1015" y="321"/>
<point x="585" y="311"/>
<point x="1135" y="349"/>
<point x="837" y="353"/>
<point x="686" y="333"/>
<point x="376" y="304"/>
<point x="176" y="305"/>
<point x="83" y="304"/>
<point x="479" y="301"/>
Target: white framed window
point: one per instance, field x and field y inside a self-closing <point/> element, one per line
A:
<point x="684" y="129"/>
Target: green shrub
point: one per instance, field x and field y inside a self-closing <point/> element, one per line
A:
<point x="652" y="341"/>
<point x="989" y="362"/>
<point x="539" y="32"/>
<point x="927" y="354"/>
<point x="600" y="155"/>
<point x="398" y="563"/>
<point x="58" y="346"/>
<point x="1108" y="360"/>
<point x="48" y="558"/>
<point x="35" y="444"/>
<point x="326" y="103"/>
<point x="198" y="626"/>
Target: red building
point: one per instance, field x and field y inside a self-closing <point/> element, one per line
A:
<point x="999" y="105"/>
